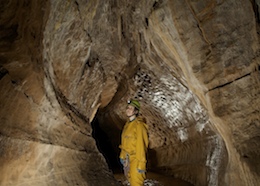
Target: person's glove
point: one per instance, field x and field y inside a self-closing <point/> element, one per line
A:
<point x="122" y="161"/>
<point x="140" y="171"/>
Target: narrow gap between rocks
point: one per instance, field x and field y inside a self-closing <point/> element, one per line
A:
<point x="105" y="146"/>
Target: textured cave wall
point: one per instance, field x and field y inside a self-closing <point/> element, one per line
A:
<point x="182" y="139"/>
<point x="194" y="58"/>
<point x="44" y="139"/>
<point x="195" y="71"/>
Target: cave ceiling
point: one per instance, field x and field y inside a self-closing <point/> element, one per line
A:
<point x="194" y="66"/>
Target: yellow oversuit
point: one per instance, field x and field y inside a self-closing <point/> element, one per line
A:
<point x="134" y="143"/>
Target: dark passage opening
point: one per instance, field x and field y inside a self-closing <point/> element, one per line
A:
<point x="104" y="145"/>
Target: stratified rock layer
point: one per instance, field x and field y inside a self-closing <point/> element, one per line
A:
<point x="194" y="65"/>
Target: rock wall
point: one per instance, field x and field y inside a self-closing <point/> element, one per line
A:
<point x="194" y="65"/>
<point x="44" y="139"/>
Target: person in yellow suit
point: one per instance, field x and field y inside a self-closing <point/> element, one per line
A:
<point x="134" y="144"/>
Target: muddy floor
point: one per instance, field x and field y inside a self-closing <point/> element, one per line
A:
<point x="154" y="179"/>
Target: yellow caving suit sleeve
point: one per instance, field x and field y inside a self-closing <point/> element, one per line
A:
<point x="123" y="145"/>
<point x="141" y="145"/>
<point x="122" y="153"/>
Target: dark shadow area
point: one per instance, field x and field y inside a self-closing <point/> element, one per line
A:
<point x="105" y="146"/>
<point x="151" y="160"/>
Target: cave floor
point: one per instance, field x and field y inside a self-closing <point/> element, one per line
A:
<point x="155" y="179"/>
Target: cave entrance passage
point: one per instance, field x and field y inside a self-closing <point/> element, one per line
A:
<point x="107" y="146"/>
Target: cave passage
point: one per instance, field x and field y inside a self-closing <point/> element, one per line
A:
<point x="105" y="146"/>
<point x="108" y="145"/>
<point x="195" y="72"/>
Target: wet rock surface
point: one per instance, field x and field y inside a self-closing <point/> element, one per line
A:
<point x="193" y="65"/>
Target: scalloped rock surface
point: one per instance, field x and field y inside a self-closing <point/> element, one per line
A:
<point x="194" y="66"/>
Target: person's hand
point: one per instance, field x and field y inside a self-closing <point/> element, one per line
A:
<point x="140" y="171"/>
<point x="122" y="161"/>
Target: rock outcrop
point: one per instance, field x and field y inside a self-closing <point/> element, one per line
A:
<point x="194" y="66"/>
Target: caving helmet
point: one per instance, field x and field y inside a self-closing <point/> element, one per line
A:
<point x="134" y="103"/>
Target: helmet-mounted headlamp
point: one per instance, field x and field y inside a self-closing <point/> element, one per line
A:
<point x="134" y="103"/>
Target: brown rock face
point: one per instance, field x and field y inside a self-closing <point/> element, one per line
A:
<point x="68" y="67"/>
